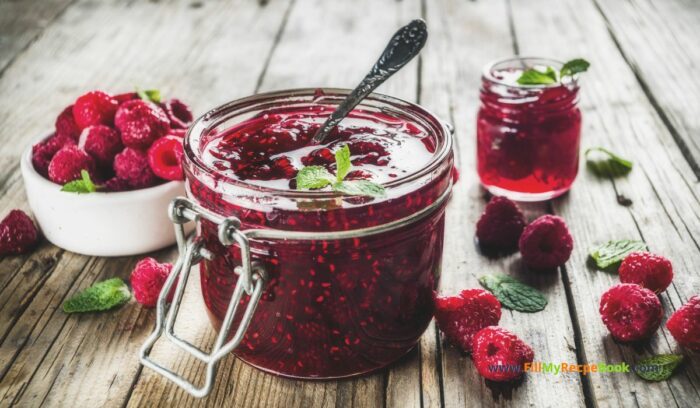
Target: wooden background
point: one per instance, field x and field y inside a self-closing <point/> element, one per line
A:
<point x="641" y="99"/>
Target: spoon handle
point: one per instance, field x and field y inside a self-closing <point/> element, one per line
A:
<point x="404" y="45"/>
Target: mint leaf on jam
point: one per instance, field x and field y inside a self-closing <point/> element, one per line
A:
<point x="575" y="66"/>
<point x="311" y="177"/>
<point x="534" y="76"/>
<point x="611" y="254"/>
<point x="610" y="164"/>
<point x="150" y="95"/>
<point x="100" y="296"/>
<point x="514" y="294"/>
<point x="342" y="162"/>
<point x="658" y="368"/>
<point x="83" y="185"/>
<point x="314" y="177"/>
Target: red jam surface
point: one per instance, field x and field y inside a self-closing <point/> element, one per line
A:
<point x="527" y="137"/>
<point x="331" y="308"/>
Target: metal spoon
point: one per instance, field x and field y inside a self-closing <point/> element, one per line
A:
<point x="404" y="45"/>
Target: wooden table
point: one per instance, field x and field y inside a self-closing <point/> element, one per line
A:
<point x="640" y="99"/>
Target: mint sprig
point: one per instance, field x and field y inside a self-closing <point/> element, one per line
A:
<point x="514" y="294"/>
<point x="83" y="185"/>
<point x="658" y="368"/>
<point x="610" y="164"/>
<point x="149" y="95"/>
<point x="611" y="254"/>
<point x="534" y="76"/>
<point x="100" y="296"/>
<point x="315" y="177"/>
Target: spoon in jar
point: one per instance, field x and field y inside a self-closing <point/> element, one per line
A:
<point x="403" y="46"/>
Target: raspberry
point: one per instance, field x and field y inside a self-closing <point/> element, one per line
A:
<point x="141" y="123"/>
<point x="684" y="324"/>
<point x="131" y="166"/>
<point x="147" y="279"/>
<point x="18" y="234"/>
<point x="67" y="164"/>
<point x="126" y="97"/>
<point x="177" y="133"/>
<point x="65" y="124"/>
<point x="648" y="270"/>
<point x="94" y="108"/>
<point x="179" y="114"/>
<point x="630" y="312"/>
<point x="546" y="243"/>
<point x="115" y="184"/>
<point x="43" y="152"/>
<point x="102" y="143"/>
<point x="165" y="158"/>
<point x="501" y="225"/>
<point x="500" y="355"/>
<point x="460" y="317"/>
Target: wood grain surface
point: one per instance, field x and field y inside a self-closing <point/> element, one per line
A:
<point x="639" y="99"/>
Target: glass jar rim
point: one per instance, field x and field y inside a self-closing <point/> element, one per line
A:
<point x="487" y="73"/>
<point x="219" y="114"/>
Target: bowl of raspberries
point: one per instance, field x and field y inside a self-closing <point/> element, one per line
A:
<point x="101" y="182"/>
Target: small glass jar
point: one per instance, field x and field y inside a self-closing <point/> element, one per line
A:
<point x="528" y="136"/>
<point x="356" y="292"/>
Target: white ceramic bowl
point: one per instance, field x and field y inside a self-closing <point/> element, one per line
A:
<point x="101" y="224"/>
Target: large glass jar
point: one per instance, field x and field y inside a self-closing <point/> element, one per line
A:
<point x="527" y="135"/>
<point x="331" y="307"/>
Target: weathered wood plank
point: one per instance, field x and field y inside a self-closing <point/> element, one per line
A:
<point x="659" y="41"/>
<point x="665" y="206"/>
<point x="465" y="36"/>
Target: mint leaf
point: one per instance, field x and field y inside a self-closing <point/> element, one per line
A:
<point x="612" y="253"/>
<point x="658" y="368"/>
<point x="574" y="66"/>
<point x="611" y="165"/>
<point x="151" y="95"/>
<point x="342" y="162"/>
<point x="100" y="296"/>
<point x="360" y="187"/>
<point x="535" y="77"/>
<point x="514" y="294"/>
<point x="81" y="186"/>
<point x="312" y="177"/>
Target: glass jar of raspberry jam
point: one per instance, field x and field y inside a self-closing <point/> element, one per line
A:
<point x="324" y="285"/>
<point x="527" y="135"/>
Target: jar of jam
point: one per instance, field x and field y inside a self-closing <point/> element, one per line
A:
<point x="310" y="283"/>
<point x="527" y="135"/>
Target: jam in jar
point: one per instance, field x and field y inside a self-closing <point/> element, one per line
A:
<point x="331" y="307"/>
<point x="527" y="135"/>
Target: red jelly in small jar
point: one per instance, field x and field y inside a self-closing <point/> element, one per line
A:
<point x="527" y="135"/>
<point x="332" y="307"/>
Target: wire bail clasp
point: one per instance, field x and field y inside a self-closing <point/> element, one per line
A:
<point x="250" y="282"/>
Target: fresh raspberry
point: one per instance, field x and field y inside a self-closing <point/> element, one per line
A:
<point x="115" y="184"/>
<point x="500" y="355"/>
<point x="684" y="324"/>
<point x="65" y="124"/>
<point x="147" y="279"/>
<point x="126" y="97"/>
<point x="102" y="143"/>
<point x="630" y="312"/>
<point x="648" y="270"/>
<point x="67" y="164"/>
<point x="165" y="158"/>
<point x="131" y="165"/>
<point x="18" y="234"/>
<point x="94" y="108"/>
<point x="546" y="243"/>
<point x="179" y="114"/>
<point x="141" y="123"/>
<point x="501" y="225"/>
<point x="177" y="133"/>
<point x="460" y="317"/>
<point x="43" y="152"/>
